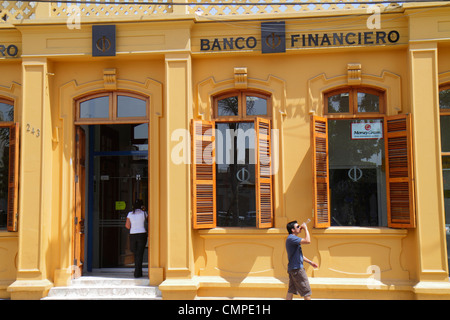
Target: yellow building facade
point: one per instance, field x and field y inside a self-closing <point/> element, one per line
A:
<point x="229" y="121"/>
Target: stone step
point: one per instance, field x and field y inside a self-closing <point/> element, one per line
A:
<point x="106" y="287"/>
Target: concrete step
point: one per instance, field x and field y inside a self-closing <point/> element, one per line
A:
<point x="106" y="286"/>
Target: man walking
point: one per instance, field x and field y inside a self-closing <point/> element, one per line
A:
<point x="298" y="280"/>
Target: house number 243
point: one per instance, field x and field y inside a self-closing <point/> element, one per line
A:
<point x="33" y="131"/>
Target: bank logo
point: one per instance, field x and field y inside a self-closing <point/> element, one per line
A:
<point x="103" y="44"/>
<point x="273" y="37"/>
<point x="103" y="41"/>
<point x="273" y="41"/>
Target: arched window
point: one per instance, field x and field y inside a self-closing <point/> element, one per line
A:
<point x="354" y="101"/>
<point x="362" y="162"/>
<point x="112" y="106"/>
<point x="241" y="105"/>
<point x="232" y="184"/>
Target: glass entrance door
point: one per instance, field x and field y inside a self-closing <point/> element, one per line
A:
<point x="120" y="180"/>
<point x="118" y="175"/>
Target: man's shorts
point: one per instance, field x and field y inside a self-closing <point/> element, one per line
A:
<point x="299" y="283"/>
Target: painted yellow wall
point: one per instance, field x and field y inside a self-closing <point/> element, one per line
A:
<point x="341" y="252"/>
<point x="162" y="59"/>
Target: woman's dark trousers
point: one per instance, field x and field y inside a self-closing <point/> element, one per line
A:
<point x="137" y="246"/>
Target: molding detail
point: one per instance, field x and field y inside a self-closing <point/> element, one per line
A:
<point x="388" y="81"/>
<point x="109" y="78"/>
<point x="240" y="78"/>
<point x="354" y="74"/>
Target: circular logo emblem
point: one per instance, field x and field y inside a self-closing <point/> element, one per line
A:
<point x="355" y="173"/>
<point x="243" y="175"/>
<point x="103" y="44"/>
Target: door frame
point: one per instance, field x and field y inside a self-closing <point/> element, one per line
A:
<point x="64" y="134"/>
<point x="78" y="236"/>
<point x="84" y="201"/>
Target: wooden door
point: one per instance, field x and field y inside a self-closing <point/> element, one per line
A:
<point x="79" y="216"/>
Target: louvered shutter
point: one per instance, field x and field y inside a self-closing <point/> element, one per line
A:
<point x="321" y="191"/>
<point x="13" y="178"/>
<point x="264" y="205"/>
<point x="203" y="174"/>
<point x="399" y="173"/>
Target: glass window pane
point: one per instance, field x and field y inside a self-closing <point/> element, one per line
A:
<point x="368" y="102"/>
<point x="444" y="99"/>
<point x="95" y="108"/>
<point x="235" y="175"/>
<point x="131" y="107"/>
<point x="4" y="170"/>
<point x="141" y="131"/>
<point x="140" y="137"/>
<point x="357" y="174"/>
<point x="6" y="112"/>
<point x="228" y="106"/>
<point x="446" y="180"/>
<point x="445" y="133"/>
<point x="256" y="106"/>
<point x="118" y="137"/>
<point x="339" y="103"/>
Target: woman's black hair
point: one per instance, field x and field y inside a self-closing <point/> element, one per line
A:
<point x="137" y="204"/>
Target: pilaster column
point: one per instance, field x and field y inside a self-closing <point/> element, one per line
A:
<point x="177" y="208"/>
<point x="430" y="230"/>
<point x="35" y="183"/>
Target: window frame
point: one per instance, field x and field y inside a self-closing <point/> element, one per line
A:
<point x="319" y="137"/>
<point x="242" y="105"/>
<point x="13" y="169"/>
<point x="13" y="176"/>
<point x="264" y="204"/>
<point x="444" y="112"/>
<point x="112" y="114"/>
<point x="353" y="102"/>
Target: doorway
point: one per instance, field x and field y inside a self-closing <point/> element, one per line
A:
<point x="116" y="174"/>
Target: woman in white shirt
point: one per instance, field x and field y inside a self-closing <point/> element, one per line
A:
<point x="138" y="235"/>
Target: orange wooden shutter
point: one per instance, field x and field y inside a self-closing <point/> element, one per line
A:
<point x="13" y="179"/>
<point x="399" y="173"/>
<point x="203" y="174"/>
<point x="264" y="206"/>
<point x="321" y="190"/>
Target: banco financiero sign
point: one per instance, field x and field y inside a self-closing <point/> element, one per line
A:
<point x="274" y="40"/>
